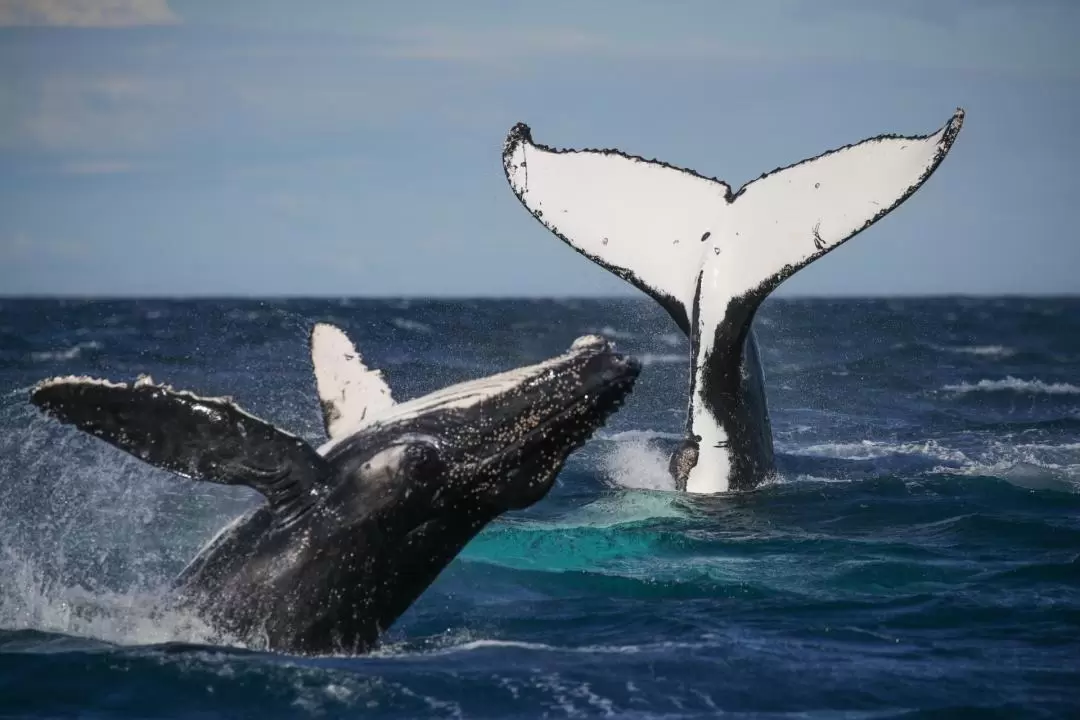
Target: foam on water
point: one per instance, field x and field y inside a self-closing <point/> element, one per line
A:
<point x="648" y="359"/>
<point x="873" y="449"/>
<point x="996" y="351"/>
<point x="92" y="553"/>
<point x="70" y="353"/>
<point x="411" y="325"/>
<point x="634" y="461"/>
<point x="1017" y="385"/>
<point x="609" y="332"/>
<point x="31" y="600"/>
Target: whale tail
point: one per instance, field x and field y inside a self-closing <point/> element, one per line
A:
<point x="209" y="439"/>
<point x="659" y="226"/>
<point x="710" y="256"/>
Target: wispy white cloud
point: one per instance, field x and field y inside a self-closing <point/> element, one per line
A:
<point x="111" y="113"/>
<point x="115" y="101"/>
<point x="85" y="13"/>
<point x="125" y="101"/>
<point x="983" y="35"/>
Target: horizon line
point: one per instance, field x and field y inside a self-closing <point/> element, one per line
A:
<point x="503" y="298"/>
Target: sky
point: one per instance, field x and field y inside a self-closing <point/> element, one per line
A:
<point x="343" y="148"/>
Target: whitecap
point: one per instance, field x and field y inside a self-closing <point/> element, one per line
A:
<point x="410" y="325"/>
<point x="638" y="435"/>
<point x="648" y="359"/>
<point x="873" y="449"/>
<point x="610" y="332"/>
<point x="1013" y="384"/>
<point x="67" y="354"/>
<point x="1000" y="351"/>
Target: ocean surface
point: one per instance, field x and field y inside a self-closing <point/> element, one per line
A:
<point x="919" y="557"/>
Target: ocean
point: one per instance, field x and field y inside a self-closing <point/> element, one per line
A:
<point x="918" y="557"/>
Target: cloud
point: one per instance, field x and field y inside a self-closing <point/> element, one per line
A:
<point x="503" y="43"/>
<point x="97" y="167"/>
<point x="105" y="113"/>
<point x="85" y="13"/>
<point x="20" y="247"/>
<point x="104" y="98"/>
<point x="100" y="97"/>
<point x="980" y="35"/>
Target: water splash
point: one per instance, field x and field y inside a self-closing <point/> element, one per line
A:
<point x="32" y="600"/>
<point x="635" y="461"/>
<point x="90" y="538"/>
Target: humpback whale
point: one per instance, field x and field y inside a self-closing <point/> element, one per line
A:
<point x="353" y="532"/>
<point x="710" y="255"/>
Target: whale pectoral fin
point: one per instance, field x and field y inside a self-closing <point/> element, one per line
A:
<point x="640" y="219"/>
<point x="209" y="439"/>
<point x="351" y="394"/>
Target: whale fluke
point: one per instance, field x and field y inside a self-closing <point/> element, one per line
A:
<point x="657" y="225"/>
<point x="710" y="256"/>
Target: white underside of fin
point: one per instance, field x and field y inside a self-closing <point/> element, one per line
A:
<point x="351" y="394"/>
<point x="662" y="228"/>
<point x="788" y="218"/>
<point x="663" y="224"/>
<point x="642" y="220"/>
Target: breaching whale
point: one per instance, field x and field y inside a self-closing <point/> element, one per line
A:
<point x="710" y="256"/>
<point x="353" y="532"/>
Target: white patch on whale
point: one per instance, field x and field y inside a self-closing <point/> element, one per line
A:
<point x="351" y="394"/>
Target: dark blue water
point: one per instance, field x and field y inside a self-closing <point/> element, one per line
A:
<point x="920" y="556"/>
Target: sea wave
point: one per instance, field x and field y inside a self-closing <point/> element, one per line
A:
<point x="1028" y="475"/>
<point x="609" y="332"/>
<point x="497" y="644"/>
<point x="68" y="353"/>
<point x="999" y="351"/>
<point x="648" y="359"/>
<point x="410" y="325"/>
<point x="1014" y="384"/>
<point x="638" y="435"/>
<point x="873" y="449"/>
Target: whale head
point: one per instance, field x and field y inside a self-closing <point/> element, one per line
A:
<point x="492" y="444"/>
